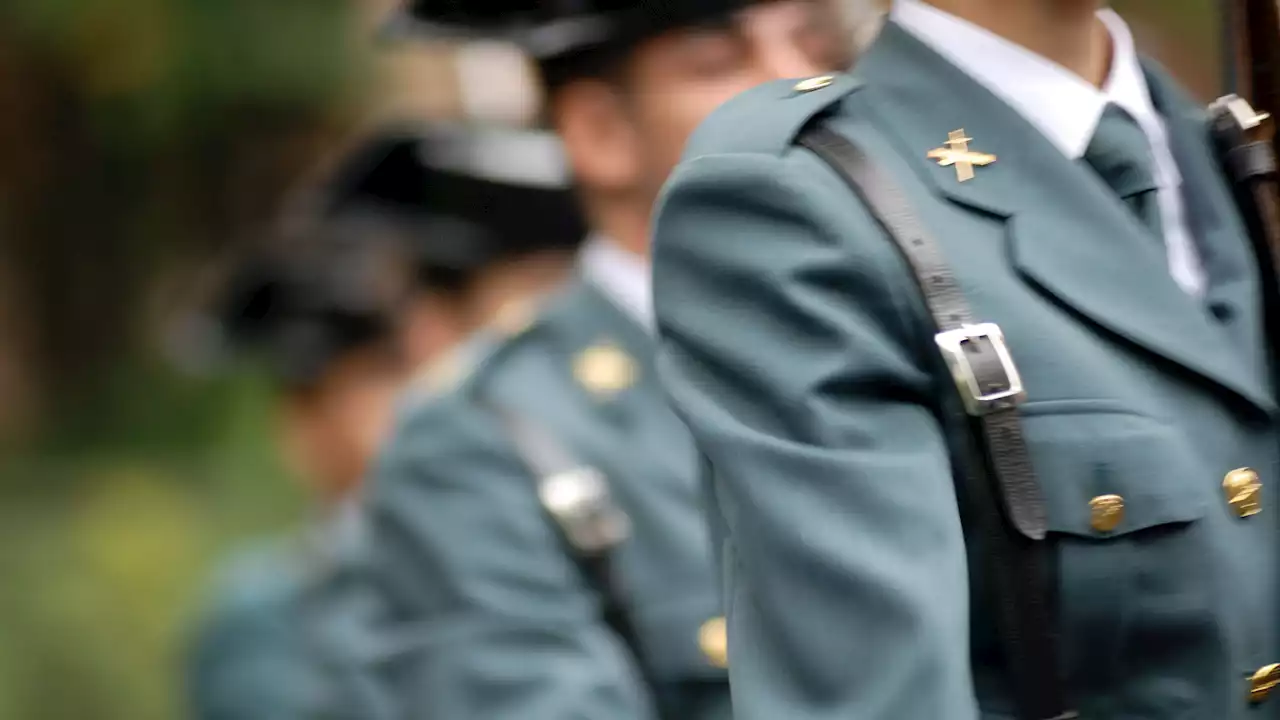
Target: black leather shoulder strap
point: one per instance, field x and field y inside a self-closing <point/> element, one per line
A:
<point x="578" y="499"/>
<point x="999" y="484"/>
<point x="1245" y="144"/>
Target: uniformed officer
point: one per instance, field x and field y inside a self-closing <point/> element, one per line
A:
<point x="325" y="318"/>
<point x="416" y="239"/>
<point x="536" y="525"/>
<point x="1028" y="196"/>
<point x="487" y="217"/>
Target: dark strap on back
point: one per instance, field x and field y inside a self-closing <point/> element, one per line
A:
<point x="578" y="499"/>
<point x="998" y="482"/>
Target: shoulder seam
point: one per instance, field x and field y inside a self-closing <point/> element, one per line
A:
<point x="765" y="120"/>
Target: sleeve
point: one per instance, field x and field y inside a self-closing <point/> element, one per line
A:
<point x="492" y="618"/>
<point x="788" y="350"/>
<point x="248" y="663"/>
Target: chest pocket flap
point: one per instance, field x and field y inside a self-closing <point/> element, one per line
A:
<point x="1109" y="473"/>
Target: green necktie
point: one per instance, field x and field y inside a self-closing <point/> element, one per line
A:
<point x="1121" y="155"/>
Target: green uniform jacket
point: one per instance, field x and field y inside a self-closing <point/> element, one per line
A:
<point x="495" y="619"/>
<point x="797" y="349"/>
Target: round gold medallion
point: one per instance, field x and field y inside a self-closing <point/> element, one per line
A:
<point x="605" y="369"/>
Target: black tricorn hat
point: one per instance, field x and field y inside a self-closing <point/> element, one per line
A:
<point x="301" y="305"/>
<point x="548" y="29"/>
<point x="461" y="196"/>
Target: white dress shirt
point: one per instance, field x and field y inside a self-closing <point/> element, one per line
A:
<point x="621" y="275"/>
<point x="1066" y="108"/>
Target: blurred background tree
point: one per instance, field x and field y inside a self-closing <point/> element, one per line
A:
<point x="1184" y="35"/>
<point x="140" y="134"/>
<point x="139" y="139"/>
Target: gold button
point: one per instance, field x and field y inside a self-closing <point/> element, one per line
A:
<point x="1244" y="492"/>
<point x="814" y="83"/>
<point x="1263" y="682"/>
<point x="1106" y="512"/>
<point x="713" y="639"/>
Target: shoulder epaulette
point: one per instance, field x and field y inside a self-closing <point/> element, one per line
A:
<point x="766" y="119"/>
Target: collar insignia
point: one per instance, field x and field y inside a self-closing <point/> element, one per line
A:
<point x="957" y="153"/>
<point x="605" y="369"/>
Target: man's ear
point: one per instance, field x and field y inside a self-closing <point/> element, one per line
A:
<point x="600" y="141"/>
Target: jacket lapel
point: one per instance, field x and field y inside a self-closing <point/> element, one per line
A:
<point x="636" y="408"/>
<point x="1069" y="237"/>
<point x="1222" y="239"/>
<point x="609" y="356"/>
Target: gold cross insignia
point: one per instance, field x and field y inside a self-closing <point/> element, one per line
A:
<point x="957" y="153"/>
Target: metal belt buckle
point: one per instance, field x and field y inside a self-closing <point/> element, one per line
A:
<point x="981" y="394"/>
<point x="581" y="503"/>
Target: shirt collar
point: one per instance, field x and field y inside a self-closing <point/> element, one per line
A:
<point x="621" y="275"/>
<point x="1061" y="104"/>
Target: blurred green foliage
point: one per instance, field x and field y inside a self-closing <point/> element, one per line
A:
<point x="139" y="135"/>
<point x="105" y="550"/>
<point x="141" y="138"/>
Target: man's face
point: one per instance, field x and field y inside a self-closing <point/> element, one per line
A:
<point x="673" y="82"/>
